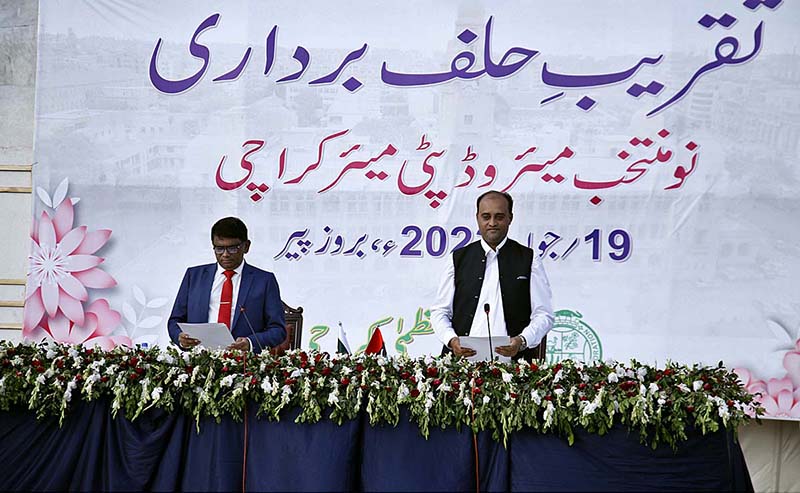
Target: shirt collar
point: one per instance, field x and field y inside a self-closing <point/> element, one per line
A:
<point x="487" y="249"/>
<point x="237" y="270"/>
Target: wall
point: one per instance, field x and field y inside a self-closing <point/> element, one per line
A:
<point x="18" y="27"/>
<point x="772" y="449"/>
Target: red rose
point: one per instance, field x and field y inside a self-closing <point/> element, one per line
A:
<point x="359" y="367"/>
<point x="513" y="395"/>
<point x="134" y="360"/>
<point x="104" y="379"/>
<point x="60" y="363"/>
<point x="139" y="370"/>
<point x="189" y="369"/>
<point x="326" y="371"/>
<point x="133" y="376"/>
<point x="436" y="382"/>
<point x="345" y="381"/>
<point x="455" y="385"/>
<point x="478" y="381"/>
<point x="496" y="372"/>
<point x="290" y="381"/>
<point x="225" y="369"/>
<point x="405" y="375"/>
<point x="707" y="387"/>
<point x="581" y="385"/>
<point x="253" y="381"/>
<point x="690" y="409"/>
<point x="432" y="371"/>
<point x="548" y="397"/>
<point x="534" y="367"/>
<point x="414" y="393"/>
<point x="476" y="390"/>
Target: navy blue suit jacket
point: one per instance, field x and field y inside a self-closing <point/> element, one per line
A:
<point x="258" y="294"/>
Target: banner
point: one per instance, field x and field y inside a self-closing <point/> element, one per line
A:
<point x="650" y="148"/>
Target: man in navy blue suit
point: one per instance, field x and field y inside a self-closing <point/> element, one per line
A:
<point x="232" y="292"/>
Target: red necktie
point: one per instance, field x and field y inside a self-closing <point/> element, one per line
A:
<point x="226" y="299"/>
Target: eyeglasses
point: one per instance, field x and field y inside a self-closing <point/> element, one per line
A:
<point x="232" y="250"/>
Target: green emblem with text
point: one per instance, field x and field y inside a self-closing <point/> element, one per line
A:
<point x="572" y="338"/>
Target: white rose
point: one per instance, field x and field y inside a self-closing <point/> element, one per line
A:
<point x="697" y="385"/>
<point x="507" y="377"/>
<point x="613" y="378"/>
<point x="156" y="393"/>
<point x="486" y="399"/>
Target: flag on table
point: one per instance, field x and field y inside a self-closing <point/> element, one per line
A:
<point x="342" y="346"/>
<point x="376" y="345"/>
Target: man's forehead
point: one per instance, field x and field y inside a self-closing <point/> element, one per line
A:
<point x="222" y="241"/>
<point x="493" y="204"/>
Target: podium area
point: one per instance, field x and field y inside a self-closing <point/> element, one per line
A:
<point x="165" y="452"/>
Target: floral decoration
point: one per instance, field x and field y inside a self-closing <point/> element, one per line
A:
<point x="658" y="404"/>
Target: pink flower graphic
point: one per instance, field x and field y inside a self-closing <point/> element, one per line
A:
<point x="62" y="266"/>
<point x="780" y="397"/>
<point x="99" y="322"/>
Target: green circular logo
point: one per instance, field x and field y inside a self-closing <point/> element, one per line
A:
<point x="572" y="338"/>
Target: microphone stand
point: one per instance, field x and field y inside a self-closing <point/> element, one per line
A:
<point x="489" y="328"/>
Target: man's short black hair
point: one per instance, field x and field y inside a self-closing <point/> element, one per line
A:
<point x="229" y="227"/>
<point x="495" y="192"/>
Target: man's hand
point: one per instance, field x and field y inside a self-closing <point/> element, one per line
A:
<point x="455" y="346"/>
<point x="186" y="341"/>
<point x="241" y="343"/>
<point x="511" y="350"/>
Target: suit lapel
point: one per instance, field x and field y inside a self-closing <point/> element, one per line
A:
<point x="204" y="292"/>
<point x="241" y="298"/>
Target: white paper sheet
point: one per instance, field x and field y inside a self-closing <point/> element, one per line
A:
<point x="481" y="347"/>
<point x="211" y="335"/>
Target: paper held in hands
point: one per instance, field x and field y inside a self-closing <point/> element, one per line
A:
<point x="211" y="335"/>
<point x="481" y="347"/>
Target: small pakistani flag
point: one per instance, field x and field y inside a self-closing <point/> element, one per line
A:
<point x="342" y="345"/>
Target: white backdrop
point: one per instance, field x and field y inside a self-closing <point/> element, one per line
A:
<point x="651" y="148"/>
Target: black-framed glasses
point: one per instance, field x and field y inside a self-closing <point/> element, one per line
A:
<point x="232" y="250"/>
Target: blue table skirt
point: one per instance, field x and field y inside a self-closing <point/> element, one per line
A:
<point x="164" y="452"/>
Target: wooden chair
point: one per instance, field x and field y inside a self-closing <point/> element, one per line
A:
<point x="540" y="351"/>
<point x="294" y="330"/>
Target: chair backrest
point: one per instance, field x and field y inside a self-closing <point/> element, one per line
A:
<point x="540" y="351"/>
<point x="294" y="330"/>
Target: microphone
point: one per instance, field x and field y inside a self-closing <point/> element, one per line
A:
<point x="489" y="328"/>
<point x="252" y="331"/>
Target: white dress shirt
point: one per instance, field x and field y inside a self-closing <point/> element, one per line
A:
<point x="541" y="305"/>
<point x="216" y="292"/>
